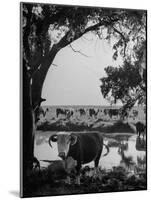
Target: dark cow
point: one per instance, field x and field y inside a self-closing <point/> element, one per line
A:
<point x="39" y="111"/>
<point x="82" y="147"/>
<point x="69" y="113"/>
<point x="60" y="111"/>
<point x="82" y="111"/>
<point x="106" y="111"/>
<point x="140" y="144"/>
<point x="140" y="128"/>
<point x="65" y="112"/>
<point x="93" y="112"/>
<point x="113" y="112"/>
<point x="36" y="163"/>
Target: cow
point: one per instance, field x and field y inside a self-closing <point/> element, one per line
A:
<point x="60" y="111"/>
<point x="140" y="144"/>
<point x="135" y="113"/>
<point x="82" y="111"/>
<point x="106" y="111"/>
<point x="82" y="147"/>
<point x="93" y="112"/>
<point x="140" y="128"/>
<point x="36" y="163"/>
<point x="113" y="112"/>
<point x="39" y="112"/>
<point x="69" y="113"/>
<point x="66" y="112"/>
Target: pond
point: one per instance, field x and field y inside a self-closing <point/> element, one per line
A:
<point x="126" y="150"/>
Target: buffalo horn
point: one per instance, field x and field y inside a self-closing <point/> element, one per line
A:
<point x="52" y="138"/>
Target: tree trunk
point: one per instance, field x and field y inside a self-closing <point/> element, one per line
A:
<point x="39" y="76"/>
<point x="28" y="138"/>
<point x="32" y="89"/>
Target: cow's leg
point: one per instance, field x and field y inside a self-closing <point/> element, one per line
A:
<point x="78" y="173"/>
<point x="143" y="134"/>
<point x="96" y="171"/>
<point x="96" y="162"/>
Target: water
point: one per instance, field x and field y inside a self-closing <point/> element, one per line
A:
<point x="126" y="150"/>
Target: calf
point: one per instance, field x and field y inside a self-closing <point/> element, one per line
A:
<point x="82" y="147"/>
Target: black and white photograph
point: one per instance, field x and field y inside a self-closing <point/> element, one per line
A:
<point x="83" y="99"/>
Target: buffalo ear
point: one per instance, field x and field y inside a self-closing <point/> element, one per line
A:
<point x="53" y="138"/>
<point x="73" y="139"/>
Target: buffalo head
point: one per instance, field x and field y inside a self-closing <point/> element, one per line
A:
<point x="64" y="140"/>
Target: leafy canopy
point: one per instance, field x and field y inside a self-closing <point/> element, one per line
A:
<point x="47" y="28"/>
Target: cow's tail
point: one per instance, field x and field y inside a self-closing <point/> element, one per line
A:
<point x="108" y="150"/>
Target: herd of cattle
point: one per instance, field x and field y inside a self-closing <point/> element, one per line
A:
<point x="90" y="112"/>
<point x="81" y="148"/>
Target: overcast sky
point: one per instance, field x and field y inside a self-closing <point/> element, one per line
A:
<point x="74" y="77"/>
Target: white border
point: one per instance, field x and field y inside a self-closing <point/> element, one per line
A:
<point x="9" y="99"/>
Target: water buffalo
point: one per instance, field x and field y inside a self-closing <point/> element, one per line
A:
<point x="82" y="147"/>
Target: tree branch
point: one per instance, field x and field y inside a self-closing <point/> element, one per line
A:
<point x="123" y="38"/>
<point x="40" y="74"/>
<point x="54" y="64"/>
<point x="101" y="23"/>
<point x="78" y="51"/>
<point x="65" y="41"/>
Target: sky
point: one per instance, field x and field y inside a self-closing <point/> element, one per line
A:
<point x="73" y="78"/>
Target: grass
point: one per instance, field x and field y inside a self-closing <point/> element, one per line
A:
<point x="44" y="183"/>
<point x="119" y="127"/>
<point x="60" y="125"/>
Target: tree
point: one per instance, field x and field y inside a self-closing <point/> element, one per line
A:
<point x="127" y="83"/>
<point x="46" y="29"/>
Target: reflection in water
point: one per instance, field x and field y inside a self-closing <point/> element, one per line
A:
<point x="126" y="161"/>
<point x="128" y="151"/>
<point x="140" y="144"/>
<point x="141" y="162"/>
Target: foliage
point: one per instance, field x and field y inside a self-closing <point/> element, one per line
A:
<point x="43" y="183"/>
<point x="48" y="28"/>
<point x="61" y="125"/>
<point x="127" y="82"/>
<point x="124" y="83"/>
